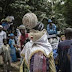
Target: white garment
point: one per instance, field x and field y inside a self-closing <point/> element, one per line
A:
<point x="18" y="36"/>
<point x="6" y="52"/>
<point x="18" y="32"/>
<point x="42" y="45"/>
<point x="2" y="36"/>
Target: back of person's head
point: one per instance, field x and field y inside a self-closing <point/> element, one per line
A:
<point x="68" y="33"/>
<point x="39" y="27"/>
<point x="30" y="21"/>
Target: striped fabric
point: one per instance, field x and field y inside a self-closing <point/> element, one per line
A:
<point x="39" y="64"/>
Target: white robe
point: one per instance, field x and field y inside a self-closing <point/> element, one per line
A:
<point x="41" y="44"/>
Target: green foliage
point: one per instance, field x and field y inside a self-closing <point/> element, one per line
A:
<point x="67" y="12"/>
<point x="17" y="8"/>
<point x="4" y="7"/>
<point x="61" y="13"/>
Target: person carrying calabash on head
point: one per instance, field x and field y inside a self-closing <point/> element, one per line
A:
<point x="37" y="53"/>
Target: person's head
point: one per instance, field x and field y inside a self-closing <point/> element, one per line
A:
<point x="31" y="22"/>
<point x="50" y="21"/>
<point x="68" y="33"/>
<point x="1" y="28"/>
<point x="12" y="36"/>
<point x="5" y="41"/>
<point x="22" y="29"/>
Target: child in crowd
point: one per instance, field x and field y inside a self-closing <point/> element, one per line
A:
<point x="13" y="49"/>
<point x="6" y="56"/>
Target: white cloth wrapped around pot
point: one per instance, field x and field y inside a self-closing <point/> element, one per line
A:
<point x="30" y="20"/>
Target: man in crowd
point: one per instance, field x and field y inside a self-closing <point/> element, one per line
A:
<point x="63" y="47"/>
<point x="51" y="28"/>
<point x="2" y="36"/>
<point x="38" y="52"/>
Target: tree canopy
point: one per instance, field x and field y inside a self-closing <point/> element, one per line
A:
<point x="59" y="10"/>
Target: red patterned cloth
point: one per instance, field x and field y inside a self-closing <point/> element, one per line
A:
<point x="44" y="64"/>
<point x="22" y="40"/>
<point x="38" y="63"/>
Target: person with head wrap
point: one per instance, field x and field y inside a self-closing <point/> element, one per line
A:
<point x="51" y="28"/>
<point x="63" y="47"/>
<point x="23" y="37"/>
<point x="5" y="24"/>
<point x="37" y="53"/>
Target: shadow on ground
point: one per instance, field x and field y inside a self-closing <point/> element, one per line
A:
<point x="14" y="67"/>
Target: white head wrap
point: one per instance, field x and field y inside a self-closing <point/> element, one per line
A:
<point x="21" y="27"/>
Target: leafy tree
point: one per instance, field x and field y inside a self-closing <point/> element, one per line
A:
<point x="17" y="8"/>
<point x="42" y="8"/>
<point x="59" y="10"/>
<point x="67" y="12"/>
<point x="4" y="7"/>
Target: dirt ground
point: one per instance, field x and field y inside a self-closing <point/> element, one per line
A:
<point x="14" y="66"/>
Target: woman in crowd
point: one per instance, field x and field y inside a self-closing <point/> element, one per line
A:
<point x="37" y="53"/>
<point x="23" y="36"/>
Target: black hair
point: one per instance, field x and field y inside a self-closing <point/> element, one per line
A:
<point x="68" y="33"/>
<point x="4" y="40"/>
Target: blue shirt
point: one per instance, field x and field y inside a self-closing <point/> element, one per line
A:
<point x="5" y="26"/>
<point x="51" y="30"/>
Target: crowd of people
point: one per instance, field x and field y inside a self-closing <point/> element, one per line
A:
<point x="30" y="44"/>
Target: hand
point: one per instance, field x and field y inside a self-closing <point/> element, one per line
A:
<point x="18" y="46"/>
<point x="15" y="45"/>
